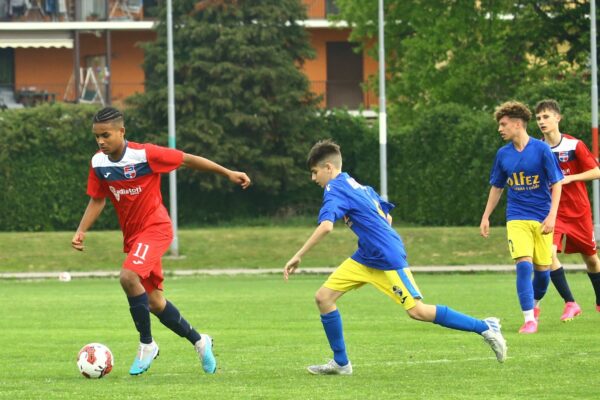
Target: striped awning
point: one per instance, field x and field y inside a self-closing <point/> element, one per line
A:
<point x="43" y="39"/>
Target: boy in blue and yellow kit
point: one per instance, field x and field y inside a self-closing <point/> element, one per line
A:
<point x="527" y="167"/>
<point x="380" y="260"/>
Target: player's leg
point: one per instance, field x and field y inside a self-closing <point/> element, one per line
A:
<point x="139" y="309"/>
<point x="521" y="247"/>
<point x="349" y="275"/>
<point x="592" y="263"/>
<point x="401" y="287"/>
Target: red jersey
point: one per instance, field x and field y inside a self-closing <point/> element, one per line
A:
<point x="574" y="158"/>
<point x="133" y="185"/>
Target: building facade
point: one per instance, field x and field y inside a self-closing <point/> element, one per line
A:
<point x="44" y="42"/>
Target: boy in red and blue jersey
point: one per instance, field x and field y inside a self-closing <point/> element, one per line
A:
<point x="574" y="219"/>
<point x="379" y="260"/>
<point x="530" y="171"/>
<point x="128" y="174"/>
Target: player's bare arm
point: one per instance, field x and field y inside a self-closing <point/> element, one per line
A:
<point x="550" y="221"/>
<point x="493" y="199"/>
<point x="204" y="164"/>
<point x="588" y="175"/>
<point x="91" y="214"/>
<point x="319" y="233"/>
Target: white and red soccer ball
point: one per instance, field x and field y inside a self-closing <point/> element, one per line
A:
<point x="95" y="360"/>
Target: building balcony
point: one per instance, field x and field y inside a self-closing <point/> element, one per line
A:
<point x="76" y="10"/>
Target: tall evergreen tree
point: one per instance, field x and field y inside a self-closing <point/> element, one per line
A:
<point x="241" y="98"/>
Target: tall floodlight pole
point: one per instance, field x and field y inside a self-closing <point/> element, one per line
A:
<point x="594" y="62"/>
<point x="382" y="113"/>
<point x="171" y="117"/>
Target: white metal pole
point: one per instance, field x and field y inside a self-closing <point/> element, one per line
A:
<point x="594" y="62"/>
<point x="171" y="118"/>
<point x="382" y="112"/>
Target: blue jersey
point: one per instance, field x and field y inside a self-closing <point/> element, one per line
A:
<point x="379" y="245"/>
<point x="528" y="174"/>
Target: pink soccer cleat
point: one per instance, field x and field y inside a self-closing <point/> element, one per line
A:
<point x="536" y="313"/>
<point x="598" y="307"/>
<point x="529" y="327"/>
<point x="572" y="310"/>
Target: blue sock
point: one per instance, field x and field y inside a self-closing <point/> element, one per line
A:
<point x="449" y="318"/>
<point x="524" y="285"/>
<point x="541" y="280"/>
<point x="140" y="312"/>
<point x="332" y="323"/>
<point x="172" y="319"/>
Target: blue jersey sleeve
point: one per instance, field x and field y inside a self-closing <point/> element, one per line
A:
<point x="498" y="176"/>
<point x="552" y="167"/>
<point x="335" y="204"/>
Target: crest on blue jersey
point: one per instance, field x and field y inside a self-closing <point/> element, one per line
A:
<point x="563" y="156"/>
<point x="129" y="171"/>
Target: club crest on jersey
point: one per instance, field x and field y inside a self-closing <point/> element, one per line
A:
<point x="563" y="156"/>
<point x="129" y="171"/>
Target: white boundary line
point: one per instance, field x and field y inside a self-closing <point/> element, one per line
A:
<point x="264" y="271"/>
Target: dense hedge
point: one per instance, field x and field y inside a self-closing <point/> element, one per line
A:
<point x="438" y="167"/>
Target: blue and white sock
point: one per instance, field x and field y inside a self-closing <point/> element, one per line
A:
<point x="541" y="280"/>
<point x="524" y="285"/>
<point x="332" y="323"/>
<point x="449" y="318"/>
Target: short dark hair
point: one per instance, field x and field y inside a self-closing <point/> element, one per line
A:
<point x="513" y="109"/>
<point x="324" y="150"/>
<point x="108" y="114"/>
<point x="547" y="104"/>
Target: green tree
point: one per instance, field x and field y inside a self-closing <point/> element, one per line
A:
<point x="475" y="53"/>
<point x="241" y="98"/>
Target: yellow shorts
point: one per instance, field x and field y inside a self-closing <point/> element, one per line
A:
<point x="398" y="284"/>
<point x="525" y="239"/>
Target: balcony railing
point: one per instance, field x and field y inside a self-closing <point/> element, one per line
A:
<point x="74" y="10"/>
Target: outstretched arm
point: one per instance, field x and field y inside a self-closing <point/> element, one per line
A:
<point x="91" y="214"/>
<point x="493" y="199"/>
<point x="322" y="230"/>
<point x="204" y="164"/>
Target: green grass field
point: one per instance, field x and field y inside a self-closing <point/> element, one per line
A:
<point x="250" y="247"/>
<point x="267" y="331"/>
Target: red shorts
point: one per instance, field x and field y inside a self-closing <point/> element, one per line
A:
<point x="579" y="233"/>
<point x="146" y="251"/>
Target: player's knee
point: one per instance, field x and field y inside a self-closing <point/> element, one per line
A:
<point x="128" y="279"/>
<point x="322" y="300"/>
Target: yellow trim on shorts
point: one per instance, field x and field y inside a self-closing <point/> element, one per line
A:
<point x="352" y="275"/>
<point x="525" y="239"/>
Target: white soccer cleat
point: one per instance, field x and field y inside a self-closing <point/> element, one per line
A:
<point x="145" y="355"/>
<point x="204" y="349"/>
<point x="494" y="338"/>
<point x="331" y="368"/>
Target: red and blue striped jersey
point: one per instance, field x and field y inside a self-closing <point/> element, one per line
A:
<point x="133" y="185"/>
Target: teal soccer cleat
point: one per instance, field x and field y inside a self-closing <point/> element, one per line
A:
<point x="146" y="354"/>
<point x="204" y="349"/>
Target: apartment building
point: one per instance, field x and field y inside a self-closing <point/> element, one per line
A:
<point x="43" y="43"/>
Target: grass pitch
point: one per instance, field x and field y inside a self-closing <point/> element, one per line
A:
<point x="267" y="331"/>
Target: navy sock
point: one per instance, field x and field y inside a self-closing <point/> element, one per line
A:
<point x="595" y="279"/>
<point x="541" y="280"/>
<point x="449" y="318"/>
<point x="332" y="323"/>
<point x="524" y="285"/>
<point x="559" y="280"/>
<point x="140" y="312"/>
<point x="172" y="319"/>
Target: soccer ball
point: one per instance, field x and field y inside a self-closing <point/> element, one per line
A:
<point x="95" y="360"/>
